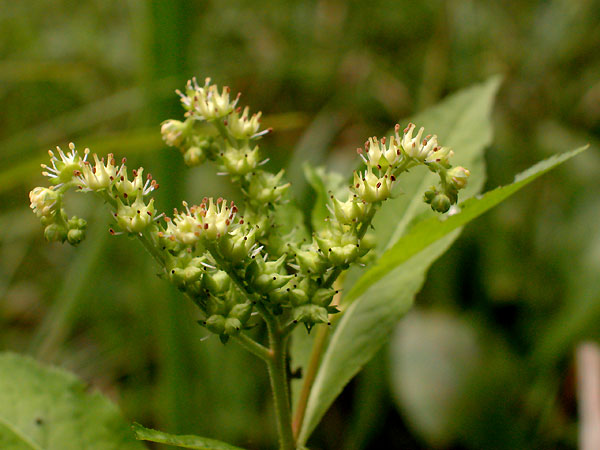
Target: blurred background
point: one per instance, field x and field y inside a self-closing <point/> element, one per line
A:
<point x="487" y="358"/>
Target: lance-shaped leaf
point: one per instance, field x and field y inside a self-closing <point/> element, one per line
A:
<point x="183" y="441"/>
<point x="386" y="292"/>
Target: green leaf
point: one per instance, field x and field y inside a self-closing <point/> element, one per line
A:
<point x="430" y="230"/>
<point x="462" y="122"/>
<point x="322" y="183"/>
<point x="47" y="408"/>
<point x="185" y="441"/>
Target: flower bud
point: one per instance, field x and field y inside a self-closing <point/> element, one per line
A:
<point x="55" y="233"/>
<point x="194" y="156"/>
<point x="240" y="161"/>
<point x="174" y="132"/>
<point x="43" y="201"/>
<point x="217" y="282"/>
<point x="310" y="315"/>
<point x="350" y="211"/>
<point x="74" y="237"/>
<point x="242" y="312"/>
<point x="310" y="259"/>
<point x="265" y="276"/>
<point x="216" y="324"/>
<point x="235" y="246"/>
<point x="265" y="187"/>
<point x="76" y="227"/>
<point x="323" y="296"/>
<point x="458" y="176"/>
<point x="441" y="203"/>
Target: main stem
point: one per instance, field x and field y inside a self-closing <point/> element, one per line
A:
<point x="279" y="386"/>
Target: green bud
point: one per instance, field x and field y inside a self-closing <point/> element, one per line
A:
<point x="441" y="203"/>
<point x="216" y="324"/>
<point x="232" y="326"/>
<point x="194" y="156"/>
<point x="236" y="245"/>
<point x="348" y="212"/>
<point x="217" y="282"/>
<point x="310" y="260"/>
<point x="75" y="236"/>
<point x="265" y="276"/>
<point x="323" y="296"/>
<point x="265" y="187"/>
<point x="240" y="161"/>
<point x="458" y="176"/>
<point x="241" y="311"/>
<point x="55" y="233"/>
<point x="174" y="132"/>
<point x="310" y="315"/>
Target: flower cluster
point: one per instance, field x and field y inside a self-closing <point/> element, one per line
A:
<point x="233" y="261"/>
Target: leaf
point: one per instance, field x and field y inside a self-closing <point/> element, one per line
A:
<point x="185" y="441"/>
<point x="322" y="183"/>
<point x="430" y="230"/>
<point x="47" y="408"/>
<point x="461" y="121"/>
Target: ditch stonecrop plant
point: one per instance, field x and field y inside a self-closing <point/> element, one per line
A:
<point x="257" y="262"/>
<point x="242" y="264"/>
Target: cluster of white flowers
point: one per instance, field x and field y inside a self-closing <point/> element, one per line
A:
<point x="209" y="220"/>
<point x="206" y="102"/>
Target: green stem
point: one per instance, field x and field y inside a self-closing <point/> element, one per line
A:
<point x="309" y="378"/>
<point x="279" y="386"/>
<point x="253" y="347"/>
<point x="220" y="126"/>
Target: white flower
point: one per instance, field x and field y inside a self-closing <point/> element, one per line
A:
<point x="209" y="220"/>
<point x="100" y="175"/>
<point x="242" y="127"/>
<point x="136" y="217"/>
<point x="206" y="101"/>
<point x="215" y="217"/>
<point x="137" y="186"/>
<point x="65" y="168"/>
<point x="380" y="154"/>
<point x="372" y="188"/>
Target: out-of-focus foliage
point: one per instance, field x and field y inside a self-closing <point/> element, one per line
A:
<point x="327" y="74"/>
